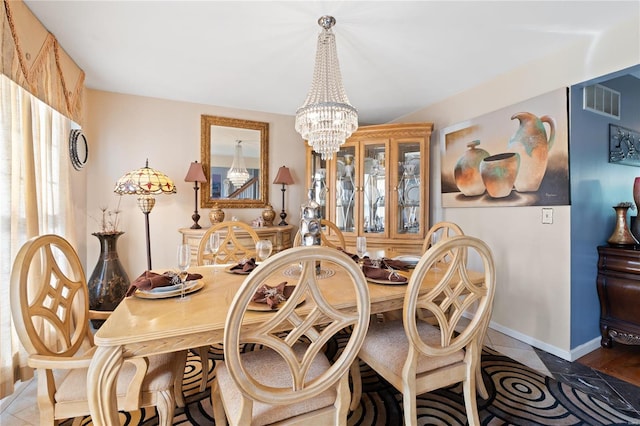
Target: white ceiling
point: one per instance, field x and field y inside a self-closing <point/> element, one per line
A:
<point x="396" y="57"/>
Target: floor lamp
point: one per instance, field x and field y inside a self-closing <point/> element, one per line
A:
<point x="195" y="175"/>
<point x="283" y="177"/>
<point x="145" y="183"/>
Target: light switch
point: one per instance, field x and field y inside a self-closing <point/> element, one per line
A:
<point x="547" y="215"/>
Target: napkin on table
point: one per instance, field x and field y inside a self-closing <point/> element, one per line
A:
<point x="352" y="255"/>
<point x="272" y="296"/>
<point x="246" y="265"/>
<point x="383" y="274"/>
<point x="150" y="280"/>
<point x="385" y="262"/>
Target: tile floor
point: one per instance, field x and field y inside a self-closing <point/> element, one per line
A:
<point x="592" y="373"/>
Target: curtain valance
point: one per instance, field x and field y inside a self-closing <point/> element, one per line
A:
<point x="33" y="58"/>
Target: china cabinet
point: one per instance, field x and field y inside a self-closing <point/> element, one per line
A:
<point x="281" y="238"/>
<point x="377" y="186"/>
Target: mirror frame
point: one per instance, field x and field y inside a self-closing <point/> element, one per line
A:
<point x="206" y="121"/>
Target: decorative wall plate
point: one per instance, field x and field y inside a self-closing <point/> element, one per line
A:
<point x="78" y="149"/>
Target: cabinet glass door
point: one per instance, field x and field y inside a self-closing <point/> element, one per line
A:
<point x="345" y="188"/>
<point x="410" y="199"/>
<point x="374" y="188"/>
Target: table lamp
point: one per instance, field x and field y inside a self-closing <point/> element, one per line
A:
<point x="283" y="177"/>
<point x="195" y="175"/>
<point x="145" y="182"/>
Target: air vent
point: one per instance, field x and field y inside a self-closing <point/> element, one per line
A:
<point x="602" y="100"/>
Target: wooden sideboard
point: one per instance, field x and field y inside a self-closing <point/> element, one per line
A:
<point x="281" y="237"/>
<point x="618" y="286"/>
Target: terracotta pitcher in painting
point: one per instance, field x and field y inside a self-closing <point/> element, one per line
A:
<point x="531" y="142"/>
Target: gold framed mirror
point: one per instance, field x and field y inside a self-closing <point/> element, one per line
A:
<point x="227" y="145"/>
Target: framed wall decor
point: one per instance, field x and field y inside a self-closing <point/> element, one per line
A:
<point x="624" y="146"/>
<point x="516" y="156"/>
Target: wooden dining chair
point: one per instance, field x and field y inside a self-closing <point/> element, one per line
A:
<point x="441" y="231"/>
<point x="417" y="357"/>
<point x="290" y="380"/>
<point x="328" y="229"/>
<point x="232" y="248"/>
<point x="50" y="311"/>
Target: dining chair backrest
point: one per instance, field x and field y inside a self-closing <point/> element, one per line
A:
<point x="441" y="231"/>
<point x="234" y="247"/>
<point x="328" y="229"/>
<point x="317" y="327"/>
<point x="50" y="298"/>
<point x="456" y="292"/>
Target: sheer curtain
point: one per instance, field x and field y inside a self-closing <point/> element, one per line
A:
<point x="35" y="199"/>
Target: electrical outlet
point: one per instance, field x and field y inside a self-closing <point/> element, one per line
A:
<point x="547" y="215"/>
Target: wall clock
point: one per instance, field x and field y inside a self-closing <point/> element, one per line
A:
<point x="78" y="149"/>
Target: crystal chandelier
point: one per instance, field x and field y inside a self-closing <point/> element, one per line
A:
<point x="326" y="119"/>
<point x="238" y="173"/>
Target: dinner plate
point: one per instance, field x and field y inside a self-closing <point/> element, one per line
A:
<point x="191" y="286"/>
<point x="408" y="259"/>
<point x="413" y="194"/>
<point x="263" y="307"/>
<point x="386" y="282"/>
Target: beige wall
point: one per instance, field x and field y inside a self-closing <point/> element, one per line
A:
<point x="124" y="130"/>
<point x="533" y="260"/>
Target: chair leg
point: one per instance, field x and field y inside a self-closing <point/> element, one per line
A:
<point x="181" y="362"/>
<point x="165" y="404"/>
<point x="203" y="351"/>
<point x="356" y="381"/>
<point x="480" y="385"/>
<point x="216" y="403"/>
<point x="470" y="403"/>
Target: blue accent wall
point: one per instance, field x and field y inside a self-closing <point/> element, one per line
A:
<point x="596" y="186"/>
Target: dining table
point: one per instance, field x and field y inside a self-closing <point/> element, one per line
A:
<point x="143" y="326"/>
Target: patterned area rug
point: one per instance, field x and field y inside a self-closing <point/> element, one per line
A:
<point x="518" y="396"/>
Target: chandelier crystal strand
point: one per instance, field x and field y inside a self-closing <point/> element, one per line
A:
<point x="238" y="173"/>
<point x="326" y="119"/>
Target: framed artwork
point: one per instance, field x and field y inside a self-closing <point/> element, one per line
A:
<point x="516" y="156"/>
<point x="624" y="146"/>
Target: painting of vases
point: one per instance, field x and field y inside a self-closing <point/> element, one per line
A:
<point x="531" y="137"/>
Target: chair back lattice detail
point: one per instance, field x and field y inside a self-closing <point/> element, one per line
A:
<point x="49" y="298"/>
<point x="328" y="228"/>
<point x="318" y="326"/>
<point x="231" y="249"/>
<point x="455" y="293"/>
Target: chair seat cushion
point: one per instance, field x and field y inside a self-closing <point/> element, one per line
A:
<point x="160" y="374"/>
<point x="388" y="341"/>
<point x="267" y="367"/>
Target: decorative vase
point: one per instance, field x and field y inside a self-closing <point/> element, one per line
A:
<point x="635" y="224"/>
<point x="268" y="215"/>
<point x="467" y="170"/>
<point x="109" y="281"/>
<point x="621" y="235"/>
<point x="499" y="173"/>
<point x="531" y="142"/>
<point x="216" y="215"/>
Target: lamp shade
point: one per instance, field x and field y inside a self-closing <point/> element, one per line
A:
<point x="283" y="176"/>
<point x="195" y="173"/>
<point x="145" y="181"/>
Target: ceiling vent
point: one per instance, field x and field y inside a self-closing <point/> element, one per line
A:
<point x="601" y="100"/>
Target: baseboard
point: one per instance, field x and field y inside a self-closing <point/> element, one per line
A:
<point x="570" y="355"/>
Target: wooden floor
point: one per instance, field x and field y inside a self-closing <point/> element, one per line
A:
<point x="620" y="361"/>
